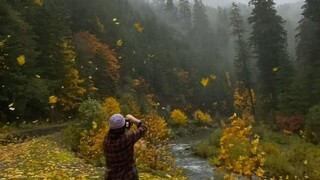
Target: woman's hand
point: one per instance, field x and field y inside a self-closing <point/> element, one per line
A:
<point x="132" y="119"/>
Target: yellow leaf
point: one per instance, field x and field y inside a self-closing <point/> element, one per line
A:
<point x="94" y="125"/>
<point x="53" y="99"/>
<point x="138" y="27"/>
<point x="37" y="76"/>
<point x="119" y="42"/>
<point x="39" y="2"/>
<point x="204" y="82"/>
<point x="260" y="172"/>
<point x="275" y="69"/>
<point x="21" y="60"/>
<point x="115" y="21"/>
<point x="213" y="77"/>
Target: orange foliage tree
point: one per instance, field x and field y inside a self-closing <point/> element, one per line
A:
<point x="244" y="99"/>
<point x="72" y="92"/>
<point x="96" y="46"/>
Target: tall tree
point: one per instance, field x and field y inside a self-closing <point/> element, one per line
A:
<point x="268" y="39"/>
<point x="308" y="53"/>
<point x="242" y="59"/>
<point x="200" y="18"/>
<point x="21" y="91"/>
<point x="170" y="11"/>
<point x="185" y="14"/>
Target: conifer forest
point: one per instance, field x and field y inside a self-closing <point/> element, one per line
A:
<point x="239" y="84"/>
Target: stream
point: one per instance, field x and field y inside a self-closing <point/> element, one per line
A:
<point x="196" y="168"/>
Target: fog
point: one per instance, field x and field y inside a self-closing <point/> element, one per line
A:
<point x="229" y="2"/>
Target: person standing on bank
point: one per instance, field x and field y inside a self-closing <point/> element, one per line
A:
<point x="118" y="147"/>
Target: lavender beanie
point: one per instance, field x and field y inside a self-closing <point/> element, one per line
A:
<point x="116" y="121"/>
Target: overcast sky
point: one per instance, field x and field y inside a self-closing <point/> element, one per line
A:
<point x="228" y="2"/>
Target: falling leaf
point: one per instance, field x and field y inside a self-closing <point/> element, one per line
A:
<point x="37" y="76"/>
<point x="12" y="108"/>
<point x="213" y="77"/>
<point x="35" y="121"/>
<point x="204" y="82"/>
<point x="21" y="60"/>
<point x="94" y="125"/>
<point x="138" y="27"/>
<point x="10" y="105"/>
<point x="275" y="69"/>
<point x="39" y="2"/>
<point x="53" y="99"/>
<point x="115" y="21"/>
<point x="119" y="42"/>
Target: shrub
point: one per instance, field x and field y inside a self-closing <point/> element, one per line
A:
<point x="291" y="123"/>
<point x="240" y="152"/>
<point x="179" y="117"/>
<point x="209" y="147"/>
<point x="313" y="124"/>
<point x="111" y="106"/>
<point x="202" y="117"/>
<point x="298" y="160"/>
<point x="86" y="136"/>
<point x="154" y="152"/>
<point x="91" y="110"/>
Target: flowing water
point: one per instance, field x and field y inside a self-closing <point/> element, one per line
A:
<point x="196" y="168"/>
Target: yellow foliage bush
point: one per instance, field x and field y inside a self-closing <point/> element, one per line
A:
<point x="240" y="152"/>
<point x="179" y="117"/>
<point x="111" y="106"/>
<point x="153" y="153"/>
<point x="202" y="117"/>
<point x="91" y="141"/>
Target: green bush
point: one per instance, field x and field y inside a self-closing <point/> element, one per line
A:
<point x="296" y="159"/>
<point x="313" y="124"/>
<point x="209" y="147"/>
<point x="91" y="118"/>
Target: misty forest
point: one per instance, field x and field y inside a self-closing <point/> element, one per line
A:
<point x="235" y="89"/>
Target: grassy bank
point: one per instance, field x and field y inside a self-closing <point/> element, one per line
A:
<point x="47" y="158"/>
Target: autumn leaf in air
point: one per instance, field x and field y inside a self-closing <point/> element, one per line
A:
<point x="115" y="21"/>
<point x="119" y="42"/>
<point x="138" y="27"/>
<point x="53" y="100"/>
<point x="275" y="69"/>
<point x="21" y="60"/>
<point x="204" y="82"/>
<point x="213" y="77"/>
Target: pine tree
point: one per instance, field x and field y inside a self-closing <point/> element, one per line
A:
<point x="268" y="39"/>
<point x="185" y="14"/>
<point x="242" y="59"/>
<point x="308" y="54"/>
<point x="19" y="89"/>
<point x="200" y="18"/>
<point x="170" y="11"/>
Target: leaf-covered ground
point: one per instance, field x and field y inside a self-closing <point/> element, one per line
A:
<point x="46" y="158"/>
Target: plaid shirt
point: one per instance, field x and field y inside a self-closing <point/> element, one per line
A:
<point x="118" y="151"/>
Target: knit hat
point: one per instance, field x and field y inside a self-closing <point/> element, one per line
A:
<point x="116" y="121"/>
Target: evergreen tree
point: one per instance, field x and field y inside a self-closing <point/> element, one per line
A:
<point x="21" y="90"/>
<point x="268" y="39"/>
<point x="242" y="59"/>
<point x="308" y="54"/>
<point x="170" y="11"/>
<point x="200" y="18"/>
<point x="185" y="14"/>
